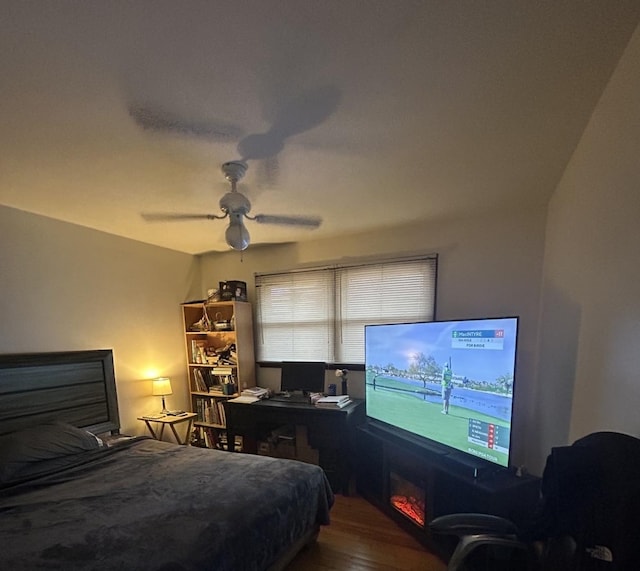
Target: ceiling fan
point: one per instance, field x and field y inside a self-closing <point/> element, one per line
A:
<point x="236" y="207"/>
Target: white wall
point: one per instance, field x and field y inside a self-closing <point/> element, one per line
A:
<point x="64" y="287"/>
<point x="489" y="265"/>
<point x="589" y="376"/>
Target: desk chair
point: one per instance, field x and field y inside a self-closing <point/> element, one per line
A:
<point x="586" y="519"/>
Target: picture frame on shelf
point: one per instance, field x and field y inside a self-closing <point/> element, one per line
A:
<point x="233" y="290"/>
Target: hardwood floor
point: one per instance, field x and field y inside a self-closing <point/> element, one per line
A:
<point x="361" y="537"/>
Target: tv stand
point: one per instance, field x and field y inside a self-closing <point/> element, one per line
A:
<point x="429" y="448"/>
<point x="414" y="483"/>
<point x="472" y="467"/>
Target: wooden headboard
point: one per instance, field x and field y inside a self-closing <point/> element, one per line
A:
<point x="77" y="387"/>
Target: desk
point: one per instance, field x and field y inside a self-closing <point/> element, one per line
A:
<point x="170" y="421"/>
<point x="330" y="431"/>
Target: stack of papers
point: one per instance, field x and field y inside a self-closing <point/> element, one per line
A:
<point x="257" y="392"/>
<point x="245" y="399"/>
<point x="315" y="397"/>
<point x="333" y="402"/>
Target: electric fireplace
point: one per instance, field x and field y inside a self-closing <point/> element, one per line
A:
<point x="408" y="498"/>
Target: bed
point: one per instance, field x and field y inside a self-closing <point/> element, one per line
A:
<point x="75" y="495"/>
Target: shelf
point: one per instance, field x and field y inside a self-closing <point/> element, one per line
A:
<point x="213" y="366"/>
<point x="209" y="424"/>
<point x="217" y="395"/>
<point x="225" y="332"/>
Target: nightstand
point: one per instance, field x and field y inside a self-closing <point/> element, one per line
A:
<point x="170" y="421"/>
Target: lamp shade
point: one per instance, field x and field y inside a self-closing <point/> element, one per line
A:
<point x="161" y="386"/>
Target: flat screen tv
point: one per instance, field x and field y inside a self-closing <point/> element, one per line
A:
<point x="448" y="382"/>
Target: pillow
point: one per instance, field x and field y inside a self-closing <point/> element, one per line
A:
<point x="23" y="449"/>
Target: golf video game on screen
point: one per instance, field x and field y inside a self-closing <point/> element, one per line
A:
<point x="448" y="381"/>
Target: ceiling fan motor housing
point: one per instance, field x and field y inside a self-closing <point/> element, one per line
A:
<point x="234" y="202"/>
<point x="234" y="170"/>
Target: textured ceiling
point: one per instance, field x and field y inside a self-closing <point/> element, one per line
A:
<point x="366" y="113"/>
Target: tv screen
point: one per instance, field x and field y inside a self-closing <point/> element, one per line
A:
<point x="447" y="381"/>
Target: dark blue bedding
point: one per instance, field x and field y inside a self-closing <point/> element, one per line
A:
<point x="153" y="505"/>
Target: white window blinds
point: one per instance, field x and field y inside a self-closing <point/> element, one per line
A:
<point x="319" y="315"/>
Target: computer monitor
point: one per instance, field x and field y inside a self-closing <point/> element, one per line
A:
<point x="305" y="376"/>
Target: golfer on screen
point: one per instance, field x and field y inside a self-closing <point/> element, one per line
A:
<point x="447" y="385"/>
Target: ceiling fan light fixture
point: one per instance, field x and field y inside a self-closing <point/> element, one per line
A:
<point x="237" y="235"/>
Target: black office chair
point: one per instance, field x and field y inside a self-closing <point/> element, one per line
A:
<point x="585" y="521"/>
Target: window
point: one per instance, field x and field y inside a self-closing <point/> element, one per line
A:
<point x="320" y="314"/>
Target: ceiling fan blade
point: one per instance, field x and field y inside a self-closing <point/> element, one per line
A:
<point x="169" y="217"/>
<point x="307" y="221"/>
<point x="156" y="119"/>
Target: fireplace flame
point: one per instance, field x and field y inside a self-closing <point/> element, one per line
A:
<point x="410" y="507"/>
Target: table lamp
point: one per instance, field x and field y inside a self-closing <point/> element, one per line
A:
<point x="161" y="388"/>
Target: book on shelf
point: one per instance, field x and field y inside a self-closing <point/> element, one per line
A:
<point x="209" y="379"/>
<point x="198" y="351"/>
<point x="222" y="417"/>
<point x="194" y="351"/>
<point x="223" y="371"/>
<point x="198" y="379"/>
<point x="211" y="437"/>
<point x="210" y="411"/>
